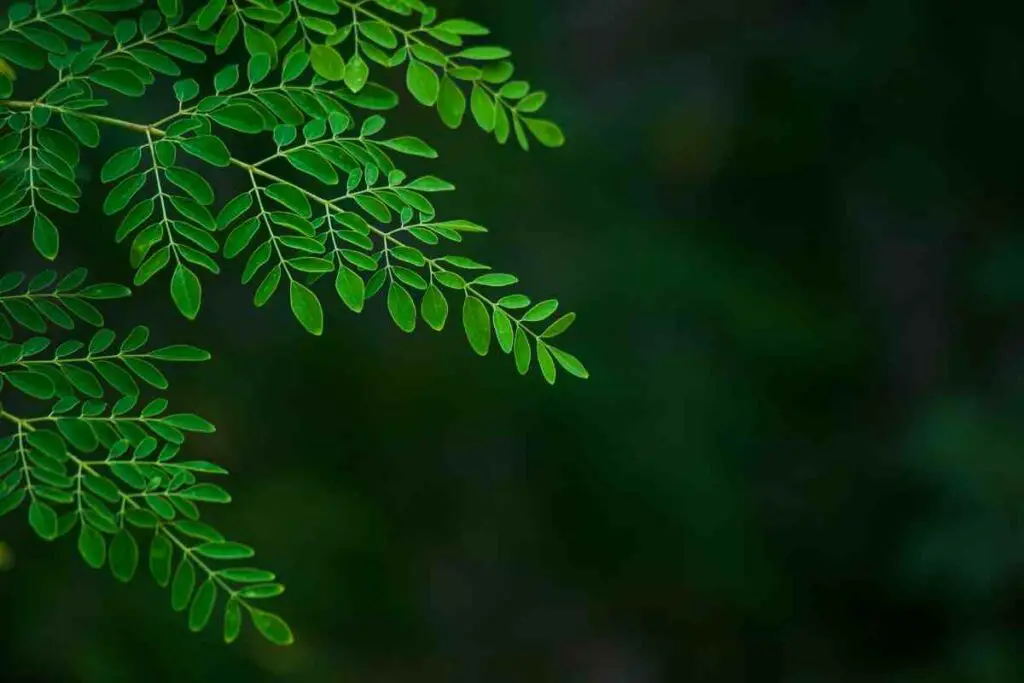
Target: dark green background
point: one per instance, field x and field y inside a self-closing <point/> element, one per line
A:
<point x="792" y="233"/>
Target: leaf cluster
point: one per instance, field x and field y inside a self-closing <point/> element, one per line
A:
<point x="88" y="452"/>
<point x="331" y="202"/>
<point x="327" y="210"/>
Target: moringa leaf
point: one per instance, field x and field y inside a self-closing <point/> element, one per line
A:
<point x="331" y="198"/>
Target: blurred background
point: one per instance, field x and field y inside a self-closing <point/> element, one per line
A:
<point x="792" y="232"/>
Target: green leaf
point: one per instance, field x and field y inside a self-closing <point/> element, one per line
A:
<point x="514" y="301"/>
<point x="411" y="145"/>
<point x="306" y="308"/>
<point x="209" y="148"/>
<point x="49" y="443"/>
<point x="25" y="315"/>
<point x="161" y="552"/>
<point x="180" y="352"/>
<point x="233" y="210"/>
<point x="232" y="620"/>
<point x="503" y="329"/>
<point x="200" y="215"/>
<point x="22" y="53"/>
<point x="226" y="78"/>
<point x="247" y="575"/>
<point x="12" y="216"/>
<point x="134" y="218"/>
<point x="570" y="363"/>
<point x="241" y="117"/>
<point x="198" y="530"/>
<point x="143" y="519"/>
<point x="210" y="13"/>
<point x="462" y="27"/>
<point x="434" y="308"/>
<point x="463" y="262"/>
<point x="372" y="96"/>
<point x="522" y="351"/>
<point x="290" y="196"/>
<point x="157" y="61"/>
<point x="225" y="550"/>
<point x="239" y="238"/>
<point x="548" y="133"/>
<point x="356" y="74"/>
<point x="122" y="193"/>
<point x="169" y="8"/>
<point x="34" y="384"/>
<point x="87" y="132"/>
<point x="350" y="288"/>
<point x="309" y="161"/>
<point x="120" y="80"/>
<point x="189" y="423"/>
<point x="182" y="51"/>
<point x="186" y="90"/>
<point x="547" y="365"/>
<point x="202" y="606"/>
<point x="79" y="434"/>
<point x="559" y="326"/>
<point x="402" y="307"/>
<point x="105" y="291"/>
<point x="373" y="206"/>
<point x="514" y="89"/>
<point x="92" y="546"/>
<point x="192" y="183"/>
<point x="482" y="107"/>
<point x="102" y="487"/>
<point x="541" y="311"/>
<point x="208" y="493"/>
<point x="422" y="82"/>
<point x="429" y="55"/>
<point x="272" y="627"/>
<point x="495" y="280"/>
<point x="183" y="585"/>
<point x="10" y="502"/>
<point x="451" y="103"/>
<point x="266" y="590"/>
<point x="311" y="264"/>
<point x="148" y="372"/>
<point x="259" y="42"/>
<point x="484" y="53"/>
<point x="186" y="291"/>
<point x="532" y="102"/>
<point x="122" y="163"/>
<point x="430" y="184"/>
<point x="477" y="324"/>
<point x="380" y="33"/>
<point x="123" y="556"/>
<point x="43" y="520"/>
<point x="45" y="237"/>
<point x="267" y="288"/>
<point x="327" y="62"/>
<point x="294" y="65"/>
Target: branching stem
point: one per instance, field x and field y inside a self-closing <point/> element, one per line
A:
<point x="25" y="426"/>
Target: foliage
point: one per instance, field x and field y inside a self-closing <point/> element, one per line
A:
<point x="85" y="451"/>
<point x="350" y="213"/>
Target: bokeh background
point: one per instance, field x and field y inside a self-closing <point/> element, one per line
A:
<point x="792" y="232"/>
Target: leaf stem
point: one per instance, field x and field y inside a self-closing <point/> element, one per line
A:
<point x="265" y="218"/>
<point x="163" y="201"/>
